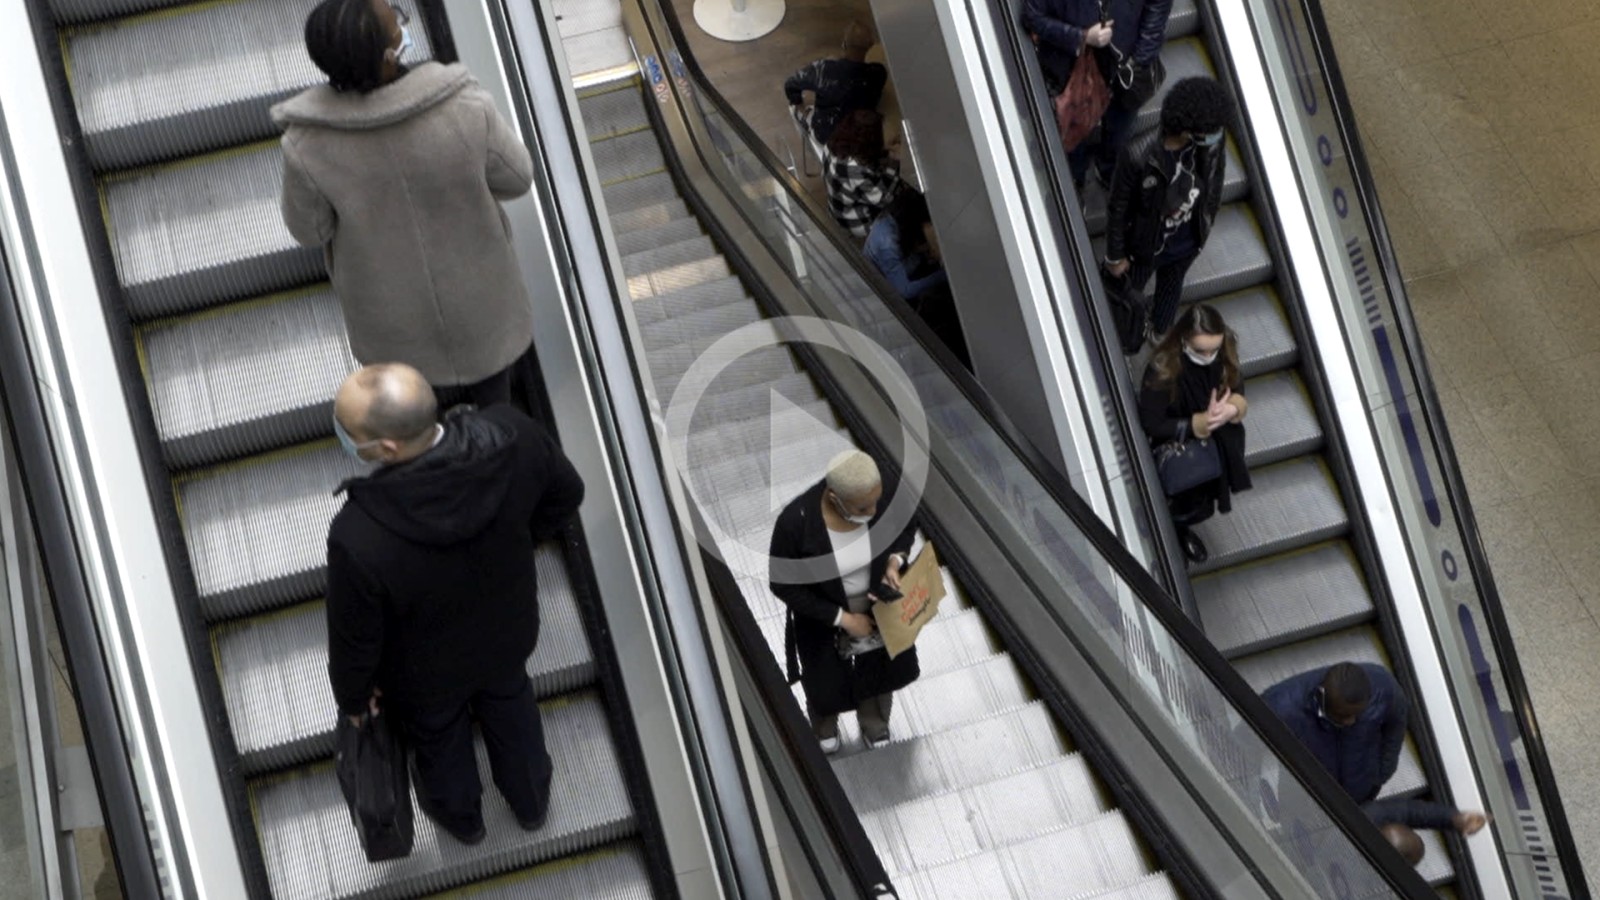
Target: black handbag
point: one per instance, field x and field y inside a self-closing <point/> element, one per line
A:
<point x="371" y="765"/>
<point x="1133" y="85"/>
<point x="1187" y="463"/>
<point x="1130" y="309"/>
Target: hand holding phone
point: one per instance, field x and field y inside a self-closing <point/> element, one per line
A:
<point x="885" y="593"/>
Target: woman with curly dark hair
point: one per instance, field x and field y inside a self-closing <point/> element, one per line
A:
<point x="1193" y="392"/>
<point x="860" y="174"/>
<point x="1162" y="204"/>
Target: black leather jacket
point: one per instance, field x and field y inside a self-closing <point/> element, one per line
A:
<point x="1135" y="210"/>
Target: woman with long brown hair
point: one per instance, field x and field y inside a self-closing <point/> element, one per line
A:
<point x="1193" y="391"/>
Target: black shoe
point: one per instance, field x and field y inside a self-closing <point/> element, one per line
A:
<point x="535" y="824"/>
<point x="1193" y="547"/>
<point x="471" y="838"/>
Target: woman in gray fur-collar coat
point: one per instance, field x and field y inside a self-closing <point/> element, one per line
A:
<point x="398" y="174"/>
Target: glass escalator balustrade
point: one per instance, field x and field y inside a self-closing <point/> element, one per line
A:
<point x="242" y="345"/>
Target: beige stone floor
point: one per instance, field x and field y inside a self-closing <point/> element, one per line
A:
<point x="1482" y="118"/>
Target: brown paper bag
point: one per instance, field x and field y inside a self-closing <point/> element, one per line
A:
<point x="921" y="589"/>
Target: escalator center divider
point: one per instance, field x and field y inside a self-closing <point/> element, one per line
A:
<point x="531" y="394"/>
<point x="1360" y="535"/>
<point x="163" y="500"/>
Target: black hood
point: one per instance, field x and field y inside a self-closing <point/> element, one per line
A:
<point x="449" y="494"/>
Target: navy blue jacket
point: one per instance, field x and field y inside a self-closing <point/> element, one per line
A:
<point x="1361" y="757"/>
<point x="1138" y="28"/>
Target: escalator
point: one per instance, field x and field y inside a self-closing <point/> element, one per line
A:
<point x="240" y="344"/>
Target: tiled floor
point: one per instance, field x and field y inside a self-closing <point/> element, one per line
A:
<point x="1482" y="119"/>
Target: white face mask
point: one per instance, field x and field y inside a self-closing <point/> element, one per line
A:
<point x="406" y="44"/>
<point x="854" y="520"/>
<point x="1198" y="358"/>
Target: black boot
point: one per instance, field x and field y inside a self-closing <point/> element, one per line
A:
<point x="1193" y="547"/>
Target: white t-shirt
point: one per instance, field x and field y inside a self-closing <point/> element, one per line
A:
<point x="853" y="551"/>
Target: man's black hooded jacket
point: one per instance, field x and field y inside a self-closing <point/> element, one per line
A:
<point x="432" y="592"/>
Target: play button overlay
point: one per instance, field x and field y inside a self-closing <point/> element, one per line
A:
<point x="800" y="444"/>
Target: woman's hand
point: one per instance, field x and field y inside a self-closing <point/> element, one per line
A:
<point x="1219" y="411"/>
<point x="1097" y="35"/>
<point x="1199" y="425"/>
<point x="857" y="625"/>
<point x="891" y="572"/>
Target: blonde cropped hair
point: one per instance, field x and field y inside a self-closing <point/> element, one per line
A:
<point x="852" y="474"/>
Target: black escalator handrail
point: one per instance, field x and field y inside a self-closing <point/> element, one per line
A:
<point x="1449" y="468"/>
<point x="1272" y="732"/>
<point x="63" y="570"/>
<point x="1103" y="341"/>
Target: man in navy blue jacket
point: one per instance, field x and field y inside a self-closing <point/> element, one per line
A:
<point x="1133" y="30"/>
<point x="1351" y="716"/>
<point x="1398" y="817"/>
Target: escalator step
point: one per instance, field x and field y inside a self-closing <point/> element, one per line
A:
<point x="754" y="401"/>
<point x="158" y="87"/>
<point x="715" y="322"/>
<point x="954" y="639"/>
<point x="257" y="530"/>
<point x="312" y="851"/>
<point x="1100" y="854"/>
<point x="614" y="872"/>
<point x="203" y="231"/>
<point x="67" y="12"/>
<point x="1156" y="887"/>
<point x="670" y="364"/>
<point x="1286" y="598"/>
<point x="1358" y="644"/>
<point x="648" y="216"/>
<point x="1235" y="256"/>
<point x="676" y="267"/>
<point x="613" y="113"/>
<point x="936" y="703"/>
<point x="981" y="751"/>
<point x="1292" y="504"/>
<point x="627" y="156"/>
<point x="274" y="671"/>
<point x="674" y="232"/>
<point x="1266" y="342"/>
<point x="650" y="310"/>
<point x="1283" y="422"/>
<point x="639" y="193"/>
<point x="247" y="377"/>
<point x="1184" y="19"/>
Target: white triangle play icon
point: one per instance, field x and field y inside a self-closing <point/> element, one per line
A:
<point x="798" y="451"/>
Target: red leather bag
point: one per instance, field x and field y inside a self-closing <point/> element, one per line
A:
<point x="1083" y="101"/>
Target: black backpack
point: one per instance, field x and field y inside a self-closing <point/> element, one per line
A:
<point x="1130" y="310"/>
<point x="371" y="764"/>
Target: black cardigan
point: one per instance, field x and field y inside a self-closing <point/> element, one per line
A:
<point x="801" y="533"/>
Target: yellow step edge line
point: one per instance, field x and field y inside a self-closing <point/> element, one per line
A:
<point x="539" y="868"/>
<point x="626" y="179"/>
<point x="271" y="615"/>
<point x="282" y="453"/>
<point x="150" y="15"/>
<point x="175" y="319"/>
<point x="619" y="134"/>
<point x="187" y="162"/>
<point x="604" y="81"/>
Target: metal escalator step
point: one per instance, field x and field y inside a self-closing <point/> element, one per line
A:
<point x="312" y="851"/>
<point x="948" y="700"/>
<point x="1100" y="854"/>
<point x="953" y="640"/>
<point x="1292" y="504"/>
<point x="204" y="231"/>
<point x="755" y="401"/>
<point x="675" y="267"/>
<point x="1235" y="183"/>
<point x="247" y="377"/>
<point x="1266" y="342"/>
<point x="649" y="216"/>
<point x="1282" y="421"/>
<point x="158" y="87"/>
<point x="716" y="322"/>
<point x="689" y="301"/>
<point x="274" y="671"/>
<point x="1435" y="867"/>
<point x="1284" y="598"/>
<point x="754" y="436"/>
<point x="1358" y="644"/>
<point x="639" y="193"/>
<point x="930" y="831"/>
<point x="627" y="156"/>
<point x="1235" y="256"/>
<point x="614" y="872"/>
<point x="698" y="248"/>
<point x="674" y="232"/>
<point x="67" y="12"/>
<point x="1184" y="19"/>
<point x="977" y="752"/>
<point x="613" y="113"/>
<point x="1184" y="57"/>
<point x="756" y="367"/>
<point x="1155" y="887"/>
<point x="257" y="530"/>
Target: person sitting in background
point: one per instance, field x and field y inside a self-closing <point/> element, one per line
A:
<point x="837" y="86"/>
<point x="1131" y="37"/>
<point x="1397" y="818"/>
<point x="1352" y="717"/>
<point x="905" y="249"/>
<point x="1162" y="204"/>
<point x="860" y="175"/>
<point x="433" y="598"/>
<point x="398" y="174"/>
<point x="1192" y="389"/>
<point x="832" y="646"/>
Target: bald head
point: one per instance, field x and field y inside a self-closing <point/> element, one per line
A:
<point x="1405" y="842"/>
<point x="388" y="402"/>
<point x="858" y="39"/>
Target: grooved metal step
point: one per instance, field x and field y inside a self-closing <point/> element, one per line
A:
<point x="1234" y="258"/>
<point x="1285" y="598"/>
<point x="639" y="193"/>
<point x="204" y="231"/>
<point x="614" y="872"/>
<point x="216" y="70"/>
<point x="631" y="155"/>
<point x="1282" y="422"/>
<point x="1184" y="19"/>
<point x="715" y="322"/>
<point x="1292" y="504"/>
<point x="954" y="639"/>
<point x="1266" y="341"/>
<point x="944" y="701"/>
<point x="274" y="671"/>
<point x="1156" y="887"/>
<point x="245" y="378"/>
<point x="700" y="297"/>
<point x="257" y="530"/>
<point x="674" y="232"/>
<point x="312" y="851"/>
<point x="612" y="114"/>
<point x="649" y="216"/>
<point x="1096" y="855"/>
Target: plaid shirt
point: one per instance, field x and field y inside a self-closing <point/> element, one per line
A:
<point x="857" y="192"/>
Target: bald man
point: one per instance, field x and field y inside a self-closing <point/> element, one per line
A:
<point x="1397" y="818"/>
<point x="432" y="594"/>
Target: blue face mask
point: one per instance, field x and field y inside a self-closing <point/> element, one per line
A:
<point x="349" y="443"/>
<point x="406" y="44"/>
<point x="1210" y="139"/>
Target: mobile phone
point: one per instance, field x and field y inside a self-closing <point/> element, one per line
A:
<point x="885" y="593"/>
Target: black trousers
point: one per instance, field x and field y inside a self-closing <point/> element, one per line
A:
<point x="488" y="392"/>
<point x="446" y="767"/>
<point x="1169" y="287"/>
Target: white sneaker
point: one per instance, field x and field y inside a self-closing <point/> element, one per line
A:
<point x="831" y="745"/>
<point x="875" y="743"/>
